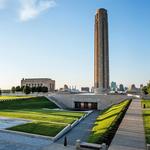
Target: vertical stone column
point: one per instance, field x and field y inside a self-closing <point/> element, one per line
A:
<point x="101" y="52"/>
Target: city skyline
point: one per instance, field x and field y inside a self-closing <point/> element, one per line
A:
<point x="42" y="44"/>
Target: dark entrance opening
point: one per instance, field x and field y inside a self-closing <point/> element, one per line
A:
<point x="85" y="105"/>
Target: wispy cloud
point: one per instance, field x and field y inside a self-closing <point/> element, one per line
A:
<point x="28" y="9"/>
<point x="32" y="8"/>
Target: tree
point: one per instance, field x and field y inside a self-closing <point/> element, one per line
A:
<point x="18" y="88"/>
<point x="145" y="90"/>
<point x="44" y="89"/>
<point x="13" y="89"/>
<point x="33" y="89"/>
<point x="39" y="89"/>
<point x="0" y="92"/>
<point x="148" y="90"/>
<point x="27" y="90"/>
<point x="22" y="88"/>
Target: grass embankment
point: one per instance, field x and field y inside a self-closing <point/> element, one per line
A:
<point x="14" y="97"/>
<point x="47" y="122"/>
<point x="146" y="117"/>
<point x="107" y="123"/>
<point x="25" y="103"/>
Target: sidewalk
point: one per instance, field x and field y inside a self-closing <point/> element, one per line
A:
<point x="81" y="131"/>
<point x="130" y="134"/>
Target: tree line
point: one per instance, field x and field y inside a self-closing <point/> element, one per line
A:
<point x="28" y="90"/>
<point x="146" y="89"/>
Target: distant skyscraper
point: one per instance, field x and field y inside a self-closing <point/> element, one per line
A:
<point x="101" y="52"/>
<point x="113" y="86"/>
<point x="121" y="87"/>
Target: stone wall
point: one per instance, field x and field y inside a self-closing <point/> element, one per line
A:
<point x="103" y="101"/>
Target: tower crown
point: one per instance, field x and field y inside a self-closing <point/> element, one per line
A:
<point x="101" y="10"/>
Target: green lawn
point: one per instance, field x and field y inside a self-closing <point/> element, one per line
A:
<point x="107" y="123"/>
<point x="43" y="115"/>
<point x="42" y="128"/>
<point x="45" y="120"/>
<point x="14" y="97"/>
<point x="146" y="103"/>
<point x="26" y="103"/>
<point x="146" y="115"/>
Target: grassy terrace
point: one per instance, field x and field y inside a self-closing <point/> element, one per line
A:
<point x="13" y="97"/>
<point x="25" y="102"/>
<point x="44" y="119"/>
<point x="107" y="123"/>
<point x="146" y="115"/>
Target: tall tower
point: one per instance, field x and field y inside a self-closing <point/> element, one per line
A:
<point x="101" y="52"/>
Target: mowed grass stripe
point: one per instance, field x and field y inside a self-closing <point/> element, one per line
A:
<point x="106" y="122"/>
<point x="28" y="103"/>
<point x="146" y="118"/>
<point x="14" y="97"/>
<point x="40" y="117"/>
<point x="42" y="128"/>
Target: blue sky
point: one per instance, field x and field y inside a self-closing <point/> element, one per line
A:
<point x="54" y="38"/>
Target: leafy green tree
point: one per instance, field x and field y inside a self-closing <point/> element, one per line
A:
<point x="18" y="88"/>
<point x="44" y="89"/>
<point x="148" y="90"/>
<point x="27" y="90"/>
<point x="33" y="89"/>
<point x="22" y="88"/>
<point x="145" y="90"/>
<point x="13" y="89"/>
<point x="39" y="89"/>
<point x="0" y="92"/>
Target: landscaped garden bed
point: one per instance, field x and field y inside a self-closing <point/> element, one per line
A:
<point x="107" y="123"/>
<point x="146" y="117"/>
<point x="45" y="120"/>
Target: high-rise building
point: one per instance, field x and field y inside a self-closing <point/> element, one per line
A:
<point x="101" y="52"/>
<point x="121" y="87"/>
<point x="113" y="86"/>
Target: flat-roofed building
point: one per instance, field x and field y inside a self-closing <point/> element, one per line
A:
<point x="39" y="82"/>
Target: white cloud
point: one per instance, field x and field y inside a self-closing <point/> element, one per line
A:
<point x="32" y="8"/>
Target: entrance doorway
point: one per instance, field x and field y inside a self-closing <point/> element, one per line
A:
<point x="85" y="105"/>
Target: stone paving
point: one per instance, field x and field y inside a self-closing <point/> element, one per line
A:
<point x="81" y="131"/>
<point x="10" y="141"/>
<point x="130" y="135"/>
<point x="56" y="146"/>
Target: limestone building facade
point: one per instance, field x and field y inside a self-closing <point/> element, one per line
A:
<point x="35" y="82"/>
<point x="101" y="52"/>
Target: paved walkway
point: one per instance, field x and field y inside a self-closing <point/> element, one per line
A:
<point x="56" y="146"/>
<point x="81" y="131"/>
<point x="130" y="135"/>
<point x="9" y="141"/>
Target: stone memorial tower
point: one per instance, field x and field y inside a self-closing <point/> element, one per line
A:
<point x="101" y="52"/>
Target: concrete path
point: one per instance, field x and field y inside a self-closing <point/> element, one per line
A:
<point x="130" y="135"/>
<point x="81" y="131"/>
<point x="56" y="146"/>
<point x="10" y="141"/>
